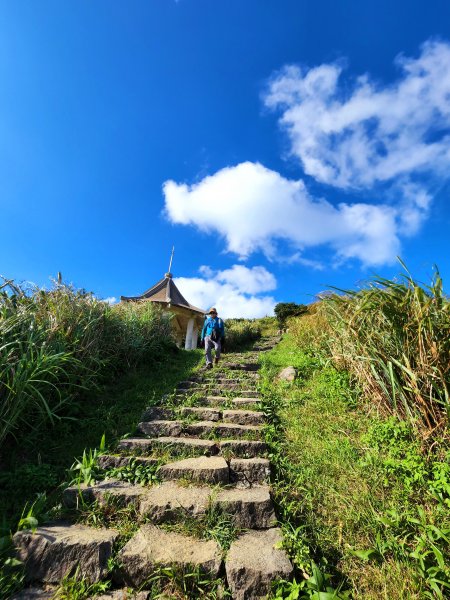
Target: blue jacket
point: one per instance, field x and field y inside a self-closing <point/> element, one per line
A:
<point x="211" y="324"/>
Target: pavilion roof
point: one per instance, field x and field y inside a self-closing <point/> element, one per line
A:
<point x="166" y="292"/>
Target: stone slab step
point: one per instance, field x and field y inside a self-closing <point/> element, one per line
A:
<point x="246" y="472"/>
<point x="58" y="549"/>
<point x="250" y="573"/>
<point x="216" y="400"/>
<point x="204" y="413"/>
<point x="124" y="493"/>
<point x="173" y="444"/>
<point x="204" y="469"/>
<point x="170" y="502"/>
<point x="243" y="417"/>
<point x="152" y="548"/>
<point x="248" y="394"/>
<point x="161" y="428"/>
<point x="124" y="594"/>
<point x="157" y="413"/>
<point x="34" y="593"/>
<point x="248" y="366"/>
<point x="246" y="401"/>
<point x="249" y="509"/>
<point x="225" y="384"/>
<point x="110" y="461"/>
<point x="243" y="448"/>
<point x="221" y="429"/>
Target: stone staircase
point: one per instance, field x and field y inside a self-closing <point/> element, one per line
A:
<point x="209" y="437"/>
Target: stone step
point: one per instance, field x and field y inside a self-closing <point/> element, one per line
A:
<point x="171" y="502"/>
<point x="254" y="561"/>
<point x="35" y="593"/>
<point x="214" y="388"/>
<point x="248" y="509"/>
<point x="110" y="461"/>
<point x="157" y="413"/>
<point x="173" y="444"/>
<point x="58" y="549"/>
<point x="221" y="429"/>
<point x="204" y="469"/>
<point x="214" y="380"/>
<point x="216" y="400"/>
<point x="123" y="594"/>
<point x="217" y="392"/>
<point x="152" y="548"/>
<point x="246" y="401"/>
<point x="204" y="413"/>
<point x="243" y="417"/>
<point x="239" y="401"/>
<point x="161" y="428"/>
<point x="243" y="448"/>
<point x="239" y="417"/>
<point x="245" y="472"/>
<point x="124" y="493"/>
<point x="248" y="366"/>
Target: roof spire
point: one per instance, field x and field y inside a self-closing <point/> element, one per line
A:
<point x="169" y="274"/>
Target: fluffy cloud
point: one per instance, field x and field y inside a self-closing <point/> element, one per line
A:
<point x="357" y="136"/>
<point x="388" y="142"/>
<point x="232" y="291"/>
<point x="252" y="206"/>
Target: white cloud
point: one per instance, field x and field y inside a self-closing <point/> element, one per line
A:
<point x="110" y="300"/>
<point x="231" y="291"/>
<point x="250" y="281"/>
<point x="252" y="206"/>
<point x="391" y="142"/>
<point x="360" y="134"/>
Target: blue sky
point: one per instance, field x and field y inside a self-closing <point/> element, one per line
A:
<point x="281" y="146"/>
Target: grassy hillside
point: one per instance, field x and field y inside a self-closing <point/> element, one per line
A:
<point x="73" y="368"/>
<point x="360" y="445"/>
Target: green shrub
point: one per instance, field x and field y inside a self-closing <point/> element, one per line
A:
<point x="53" y="344"/>
<point x="394" y="338"/>
<point x="241" y="332"/>
<point x="285" y="310"/>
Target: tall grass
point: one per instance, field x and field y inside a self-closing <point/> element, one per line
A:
<point x="394" y="337"/>
<point x="241" y="332"/>
<point x="55" y="343"/>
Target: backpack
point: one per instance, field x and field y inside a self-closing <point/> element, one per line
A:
<point x="216" y="333"/>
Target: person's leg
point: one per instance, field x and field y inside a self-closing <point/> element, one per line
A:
<point x="218" y="348"/>
<point x="208" y="347"/>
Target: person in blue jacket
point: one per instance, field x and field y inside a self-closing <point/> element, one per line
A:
<point x="213" y="333"/>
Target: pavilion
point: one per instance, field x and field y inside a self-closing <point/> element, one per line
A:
<point x="187" y="319"/>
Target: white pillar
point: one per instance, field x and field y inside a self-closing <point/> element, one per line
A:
<point x="189" y="331"/>
<point x="194" y="338"/>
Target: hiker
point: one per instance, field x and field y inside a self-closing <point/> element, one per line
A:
<point x="213" y="333"/>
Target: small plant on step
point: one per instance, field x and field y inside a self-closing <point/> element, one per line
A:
<point x="111" y="512"/>
<point x="76" y="588"/>
<point x="137" y="473"/>
<point x="183" y="584"/>
<point x="215" y="525"/>
<point x="86" y="471"/>
<point x="12" y="574"/>
<point x="316" y="587"/>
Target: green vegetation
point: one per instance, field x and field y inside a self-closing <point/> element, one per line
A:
<point x="72" y="369"/>
<point x="215" y="525"/>
<point x="55" y="344"/>
<point x="181" y="584"/>
<point x="358" y="442"/>
<point x="359" y="447"/>
<point x="394" y="338"/>
<point x="286" y="310"/>
<point x="240" y="333"/>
